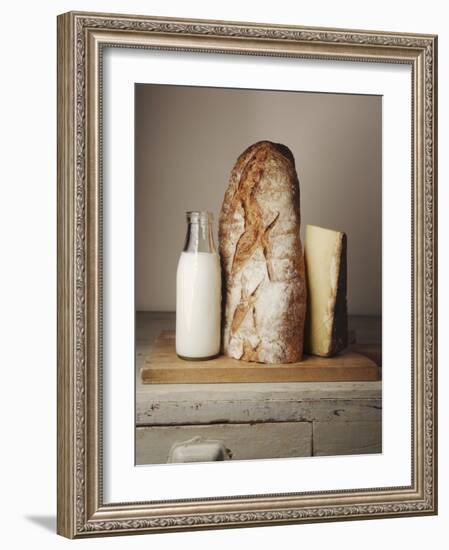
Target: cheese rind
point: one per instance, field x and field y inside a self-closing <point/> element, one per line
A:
<point x="326" y="327"/>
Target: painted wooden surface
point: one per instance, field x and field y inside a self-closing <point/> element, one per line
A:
<point x="339" y="417"/>
<point x="237" y="409"/>
<point x="162" y="365"/>
<point x="244" y="441"/>
<point x="346" y="438"/>
<point x="171" y="404"/>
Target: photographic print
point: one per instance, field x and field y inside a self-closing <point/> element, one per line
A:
<point x="246" y="281"/>
<point x="258" y="245"/>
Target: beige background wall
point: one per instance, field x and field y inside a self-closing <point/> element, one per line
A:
<point x="187" y="140"/>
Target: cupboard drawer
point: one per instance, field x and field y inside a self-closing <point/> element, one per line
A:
<point x="346" y="438"/>
<point x="244" y="441"/>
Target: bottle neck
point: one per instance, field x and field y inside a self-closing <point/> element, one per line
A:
<point x="199" y="237"/>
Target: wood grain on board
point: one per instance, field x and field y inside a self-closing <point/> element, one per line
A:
<point x="163" y="366"/>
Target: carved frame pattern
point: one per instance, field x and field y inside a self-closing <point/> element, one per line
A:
<point x="81" y="38"/>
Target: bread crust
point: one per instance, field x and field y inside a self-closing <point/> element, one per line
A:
<point x="264" y="285"/>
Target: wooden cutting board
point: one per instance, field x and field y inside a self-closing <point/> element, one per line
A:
<point x="163" y="366"/>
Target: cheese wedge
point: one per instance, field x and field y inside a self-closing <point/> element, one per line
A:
<point x="326" y="327"/>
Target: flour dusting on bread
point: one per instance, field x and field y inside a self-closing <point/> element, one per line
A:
<point x="264" y="287"/>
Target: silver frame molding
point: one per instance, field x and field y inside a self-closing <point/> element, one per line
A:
<point x="81" y="39"/>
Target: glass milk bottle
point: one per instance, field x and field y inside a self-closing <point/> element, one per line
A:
<point x="198" y="291"/>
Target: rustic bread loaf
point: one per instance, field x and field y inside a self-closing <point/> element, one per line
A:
<point x="264" y="288"/>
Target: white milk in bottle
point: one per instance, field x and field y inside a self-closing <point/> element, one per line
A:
<point x="198" y="291"/>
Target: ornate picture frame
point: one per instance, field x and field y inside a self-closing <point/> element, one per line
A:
<point x="82" y="38"/>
